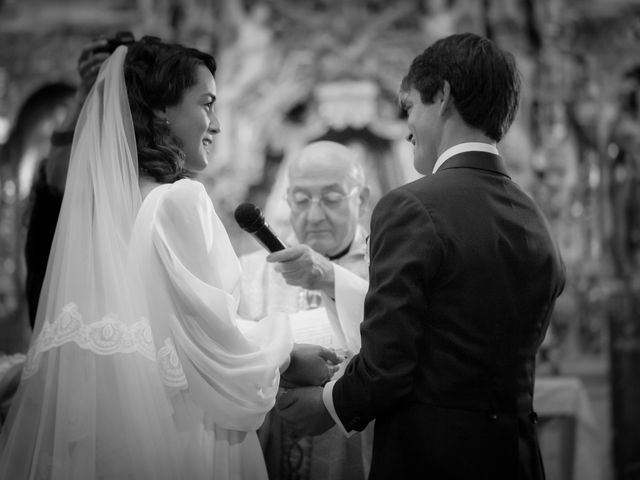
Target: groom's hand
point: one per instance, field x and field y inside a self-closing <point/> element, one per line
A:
<point x="304" y="410"/>
<point x="310" y="365"/>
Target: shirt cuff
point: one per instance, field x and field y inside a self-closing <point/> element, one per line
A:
<point x="327" y="399"/>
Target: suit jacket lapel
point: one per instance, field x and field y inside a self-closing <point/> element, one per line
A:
<point x="478" y="160"/>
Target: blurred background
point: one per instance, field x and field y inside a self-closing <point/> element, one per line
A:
<point x="294" y="71"/>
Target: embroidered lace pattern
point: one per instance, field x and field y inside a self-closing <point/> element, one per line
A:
<point x="108" y="336"/>
<point x="170" y="367"/>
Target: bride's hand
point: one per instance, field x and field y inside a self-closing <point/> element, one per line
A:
<point x="310" y="365"/>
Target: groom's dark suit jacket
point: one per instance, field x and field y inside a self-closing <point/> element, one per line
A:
<point x="463" y="279"/>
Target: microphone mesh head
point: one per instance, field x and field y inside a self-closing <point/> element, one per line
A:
<point x="249" y="217"/>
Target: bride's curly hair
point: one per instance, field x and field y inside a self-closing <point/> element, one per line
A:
<point x="156" y="75"/>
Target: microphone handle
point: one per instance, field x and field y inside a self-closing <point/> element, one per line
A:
<point x="268" y="239"/>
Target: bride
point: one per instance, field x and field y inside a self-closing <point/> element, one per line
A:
<point x="138" y="366"/>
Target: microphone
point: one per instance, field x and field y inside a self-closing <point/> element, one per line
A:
<point x="251" y="219"/>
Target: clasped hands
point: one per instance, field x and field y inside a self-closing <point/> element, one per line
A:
<point x="301" y="405"/>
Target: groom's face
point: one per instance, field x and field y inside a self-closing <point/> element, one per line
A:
<point x="423" y="122"/>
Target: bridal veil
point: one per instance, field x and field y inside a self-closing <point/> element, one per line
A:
<point x="74" y="415"/>
<point x="92" y="402"/>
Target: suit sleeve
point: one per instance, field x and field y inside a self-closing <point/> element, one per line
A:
<point x="406" y="254"/>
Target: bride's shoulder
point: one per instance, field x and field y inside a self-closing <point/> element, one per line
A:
<point x="184" y="203"/>
<point x="186" y="191"/>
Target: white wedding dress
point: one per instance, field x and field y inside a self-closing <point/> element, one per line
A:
<point x="217" y="377"/>
<point x="138" y="367"/>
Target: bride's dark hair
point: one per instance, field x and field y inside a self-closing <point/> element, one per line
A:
<point x="157" y="74"/>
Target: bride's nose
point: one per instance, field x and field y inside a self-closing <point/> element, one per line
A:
<point x="214" y="125"/>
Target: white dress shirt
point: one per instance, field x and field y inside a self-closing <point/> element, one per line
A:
<point x="464" y="147"/>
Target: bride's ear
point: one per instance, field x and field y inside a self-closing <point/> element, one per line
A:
<point x="161" y="115"/>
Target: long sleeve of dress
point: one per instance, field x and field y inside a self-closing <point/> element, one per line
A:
<point x="230" y="376"/>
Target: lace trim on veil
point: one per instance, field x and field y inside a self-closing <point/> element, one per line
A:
<point x="170" y="367"/>
<point x="107" y="336"/>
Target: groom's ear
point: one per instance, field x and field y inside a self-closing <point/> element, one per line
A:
<point x="445" y="99"/>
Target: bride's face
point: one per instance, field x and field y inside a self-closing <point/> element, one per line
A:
<point x="194" y="120"/>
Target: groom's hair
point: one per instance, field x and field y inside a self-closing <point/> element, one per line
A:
<point x="484" y="80"/>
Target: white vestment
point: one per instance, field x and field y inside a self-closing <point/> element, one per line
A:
<point x="331" y="323"/>
<point x="334" y="323"/>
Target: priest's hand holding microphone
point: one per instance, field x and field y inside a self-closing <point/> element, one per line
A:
<point x="310" y="364"/>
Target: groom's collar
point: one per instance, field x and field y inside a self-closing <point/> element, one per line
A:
<point x="461" y="148"/>
<point x="477" y="160"/>
<point x="472" y="155"/>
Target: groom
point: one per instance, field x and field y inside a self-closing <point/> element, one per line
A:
<point x="464" y="275"/>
